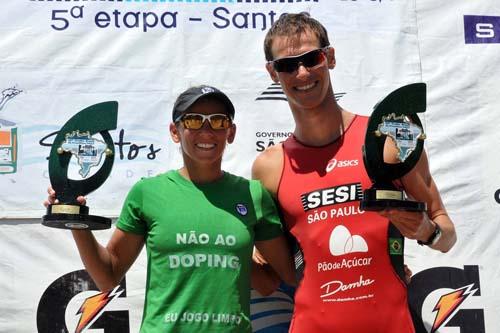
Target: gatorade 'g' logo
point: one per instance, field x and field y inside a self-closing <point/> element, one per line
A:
<point x="440" y="298"/>
<point x="448" y="303"/>
<point x="73" y="304"/>
<point x="93" y="306"/>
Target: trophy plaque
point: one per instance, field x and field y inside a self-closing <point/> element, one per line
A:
<point x="394" y="118"/>
<point x="76" y="139"/>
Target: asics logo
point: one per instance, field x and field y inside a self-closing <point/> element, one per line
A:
<point x="340" y="164"/>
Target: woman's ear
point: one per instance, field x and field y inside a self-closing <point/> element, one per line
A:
<point x="174" y="133"/>
<point x="330" y="55"/>
<point x="272" y="72"/>
<point x="232" y="133"/>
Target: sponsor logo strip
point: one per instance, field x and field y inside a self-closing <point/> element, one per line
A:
<point x="333" y="287"/>
<point x="481" y="29"/>
<point x="331" y="196"/>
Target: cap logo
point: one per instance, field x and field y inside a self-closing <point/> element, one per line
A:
<point x="206" y="90"/>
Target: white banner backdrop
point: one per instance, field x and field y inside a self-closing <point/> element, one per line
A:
<point x="459" y="47"/>
<point x="59" y="57"/>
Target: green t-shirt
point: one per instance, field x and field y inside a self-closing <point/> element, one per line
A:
<point x="199" y="240"/>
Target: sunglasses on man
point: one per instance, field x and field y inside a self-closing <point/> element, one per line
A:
<point x="217" y="121"/>
<point x="308" y="59"/>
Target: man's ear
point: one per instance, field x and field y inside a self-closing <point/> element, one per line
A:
<point x="272" y="72"/>
<point x="174" y="133"/>
<point x="330" y="54"/>
<point x="232" y="133"/>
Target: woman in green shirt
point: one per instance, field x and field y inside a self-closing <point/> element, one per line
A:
<point x="199" y="225"/>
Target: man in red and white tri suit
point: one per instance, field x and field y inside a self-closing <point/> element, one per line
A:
<point x="350" y="283"/>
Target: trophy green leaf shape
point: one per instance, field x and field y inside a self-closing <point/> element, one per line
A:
<point x="75" y="139"/>
<point x="394" y="118"/>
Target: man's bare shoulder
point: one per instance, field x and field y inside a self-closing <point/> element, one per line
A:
<point x="270" y="154"/>
<point x="267" y="167"/>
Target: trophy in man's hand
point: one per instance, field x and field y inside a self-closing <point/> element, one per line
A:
<point x="395" y="119"/>
<point x="76" y="139"/>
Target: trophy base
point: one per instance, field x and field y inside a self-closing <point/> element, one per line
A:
<point x="378" y="199"/>
<point x="73" y="217"/>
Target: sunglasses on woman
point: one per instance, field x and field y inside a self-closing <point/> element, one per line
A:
<point x="308" y="59"/>
<point x="217" y="121"/>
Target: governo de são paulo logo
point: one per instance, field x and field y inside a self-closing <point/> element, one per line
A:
<point x="342" y="242"/>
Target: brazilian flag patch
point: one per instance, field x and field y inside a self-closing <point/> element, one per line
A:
<point x="396" y="246"/>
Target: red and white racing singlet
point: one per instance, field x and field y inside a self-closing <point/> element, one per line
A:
<point x="349" y="284"/>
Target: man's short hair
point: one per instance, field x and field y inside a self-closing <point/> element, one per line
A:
<point x="293" y="25"/>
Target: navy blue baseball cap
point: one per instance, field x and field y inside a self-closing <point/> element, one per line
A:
<point x="193" y="94"/>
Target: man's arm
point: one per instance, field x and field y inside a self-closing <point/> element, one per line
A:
<point x="277" y="255"/>
<point x="267" y="168"/>
<point x="419" y="185"/>
<point x="263" y="278"/>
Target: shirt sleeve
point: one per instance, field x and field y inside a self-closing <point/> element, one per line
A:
<point x="131" y="219"/>
<point x="268" y="224"/>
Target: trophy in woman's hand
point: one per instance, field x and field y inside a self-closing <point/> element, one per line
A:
<point x="76" y="139"/>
